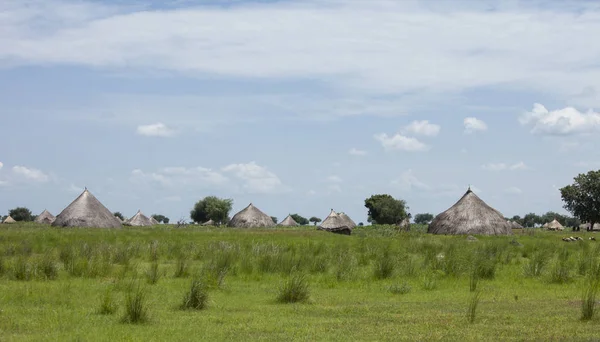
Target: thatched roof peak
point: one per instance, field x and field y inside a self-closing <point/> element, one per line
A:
<point x="288" y="222"/>
<point x="470" y="215"/>
<point x="336" y="224"/>
<point x="554" y="225"/>
<point x="139" y="220"/>
<point x="45" y="217"/>
<point x="9" y="220"/>
<point x="251" y="217"/>
<point x="86" y="211"/>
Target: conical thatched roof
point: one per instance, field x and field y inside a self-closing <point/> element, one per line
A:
<point x="45" y="217"/>
<point x="554" y="225"/>
<point x="347" y="219"/>
<point x="8" y="220"/>
<point x="587" y="226"/>
<point x="470" y="215"/>
<point x="118" y="218"/>
<point x="154" y="221"/>
<point x="251" y="217"/>
<point x="209" y="223"/>
<point x="336" y="224"/>
<point x="86" y="211"/>
<point x="288" y="222"/>
<point x="139" y="220"/>
<point x="515" y="225"/>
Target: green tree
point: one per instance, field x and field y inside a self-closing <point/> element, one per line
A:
<point x="299" y="219"/>
<point x="582" y="197"/>
<point x="274" y="219"/>
<point x="21" y="214"/>
<point x="314" y="220"/>
<point x="384" y="209"/>
<point x="166" y="220"/>
<point x="161" y="218"/>
<point x="530" y="220"/>
<point x="423" y="218"/>
<point x="119" y="215"/>
<point x="212" y="208"/>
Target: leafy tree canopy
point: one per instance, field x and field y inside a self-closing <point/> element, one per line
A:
<point x="314" y="220"/>
<point x="582" y="198"/>
<point x="119" y="215"/>
<point x="274" y="219"/>
<point x="299" y="219"/>
<point x="21" y="214"/>
<point x="212" y="208"/>
<point x="161" y="218"/>
<point x="384" y="209"/>
<point x="423" y="218"/>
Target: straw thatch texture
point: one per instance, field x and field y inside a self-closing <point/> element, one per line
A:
<point x="251" y="217"/>
<point x="9" y="220"/>
<point x="515" y="225"/>
<point x="348" y="220"/>
<point x="118" y="218"/>
<point x="586" y="226"/>
<point x="86" y="211"/>
<point x="139" y="220"/>
<point x="288" y="222"/>
<point x="209" y="223"/>
<point x="554" y="225"/>
<point x="405" y="224"/>
<point x="470" y="215"/>
<point x="336" y="224"/>
<point x="154" y="221"/>
<point x="45" y="218"/>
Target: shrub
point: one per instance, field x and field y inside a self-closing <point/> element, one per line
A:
<point x="197" y="297"/>
<point x="294" y="290"/>
<point x="136" y="310"/>
<point x="400" y="289"/>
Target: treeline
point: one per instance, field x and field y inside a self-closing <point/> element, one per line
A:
<point x="532" y="220"/>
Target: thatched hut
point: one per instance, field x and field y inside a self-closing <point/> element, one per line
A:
<point x="251" y="217"/>
<point x="9" y="220"/>
<point x="139" y="220"/>
<point x="336" y="224"/>
<point x="118" y="218"/>
<point x="515" y="225"/>
<point x="470" y="215"/>
<point x="154" y="221"/>
<point x="554" y="225"/>
<point x="45" y="218"/>
<point x="288" y="222"/>
<point x="209" y="223"/>
<point x="347" y="219"/>
<point x="586" y="226"/>
<point x="86" y="211"/>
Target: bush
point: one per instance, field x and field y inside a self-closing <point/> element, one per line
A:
<point x="294" y="290"/>
<point x="197" y="296"/>
<point x="136" y="310"/>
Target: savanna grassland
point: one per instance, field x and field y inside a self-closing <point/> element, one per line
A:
<point x="199" y="283"/>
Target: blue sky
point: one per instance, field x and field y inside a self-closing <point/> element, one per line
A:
<point x="296" y="106"/>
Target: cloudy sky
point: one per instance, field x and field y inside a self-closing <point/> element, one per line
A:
<point x="296" y="106"/>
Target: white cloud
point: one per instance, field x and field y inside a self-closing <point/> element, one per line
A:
<point x="409" y="181"/>
<point x="256" y="178"/>
<point x="1" y="165"/>
<point x="513" y="190"/>
<point x="473" y="125"/>
<point x="566" y="121"/>
<point x="155" y="130"/>
<point x="356" y="152"/>
<point x="400" y="143"/>
<point x="30" y="174"/>
<point x="334" y="179"/>
<point x="503" y="166"/>
<point x="180" y="177"/>
<point x="422" y="128"/>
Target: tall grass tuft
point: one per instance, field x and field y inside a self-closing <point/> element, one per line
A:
<point x="181" y="267"/>
<point x="560" y="271"/>
<point x="197" y="297"/>
<point x="473" y="279"/>
<point x="21" y="269"/>
<point x="400" y="289"/>
<point x="536" y="264"/>
<point x="472" y="307"/>
<point x="46" y="267"/>
<point x="153" y="274"/>
<point x="294" y="290"/>
<point x="384" y="266"/>
<point x="136" y="310"/>
<point x="588" y="302"/>
<point x="107" y="303"/>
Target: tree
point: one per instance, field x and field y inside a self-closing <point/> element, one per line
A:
<point x="582" y="197"/>
<point x="423" y="218"/>
<point x="299" y="219"/>
<point x="212" y="208"/>
<point x="361" y="224"/>
<point x="165" y="220"/>
<point x="21" y="214"/>
<point x="530" y="220"/>
<point x="314" y="220"/>
<point x="119" y="215"/>
<point x="274" y="219"/>
<point x="384" y="209"/>
<point x="161" y="218"/>
<point x="517" y="219"/>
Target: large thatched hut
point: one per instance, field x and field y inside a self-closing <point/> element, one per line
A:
<point x="251" y="217"/>
<point x="45" y="218"/>
<point x="288" y="222"/>
<point x="347" y="219"/>
<point x="139" y="220"/>
<point x="86" y="211"/>
<point x="9" y="220"/>
<point x="554" y="225"/>
<point x="470" y="215"/>
<point x="336" y="224"/>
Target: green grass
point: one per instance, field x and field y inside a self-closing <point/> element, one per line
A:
<point x="378" y="284"/>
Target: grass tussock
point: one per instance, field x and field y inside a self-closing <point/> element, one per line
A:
<point x="472" y="306"/>
<point x="107" y="303"/>
<point x="399" y="289"/>
<point x="153" y="273"/>
<point x="136" y="306"/>
<point x="197" y="296"/>
<point x="294" y="290"/>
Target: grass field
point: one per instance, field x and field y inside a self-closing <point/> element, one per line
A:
<point x="378" y="284"/>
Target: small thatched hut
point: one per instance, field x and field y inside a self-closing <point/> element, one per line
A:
<point x="9" y="220"/>
<point x="118" y="218"/>
<point x="86" y="211"/>
<point x="515" y="225"/>
<point x="251" y="217"/>
<point x="554" y="225"/>
<point x="209" y="223"/>
<point x="586" y="226"/>
<point x="45" y="217"/>
<point x="336" y="224"/>
<point x="347" y="219"/>
<point x="154" y="221"/>
<point x="139" y="220"/>
<point x="288" y="222"/>
<point x="470" y="215"/>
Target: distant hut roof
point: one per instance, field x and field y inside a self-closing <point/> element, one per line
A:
<point x="288" y="222"/>
<point x="347" y="219"/>
<point x="515" y="225"/>
<point x="336" y="224"/>
<point x="251" y="217"/>
<point x="118" y="218"/>
<point x="9" y="220"/>
<point x="209" y="223"/>
<point x="405" y="223"/>
<point x="86" y="211"/>
<point x="45" y="218"/>
<point x="153" y="220"/>
<point x="139" y="220"/>
<point x="554" y="225"/>
<point x="587" y="226"/>
<point x="470" y="215"/>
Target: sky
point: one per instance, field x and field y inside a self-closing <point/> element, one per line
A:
<point x="296" y="106"/>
